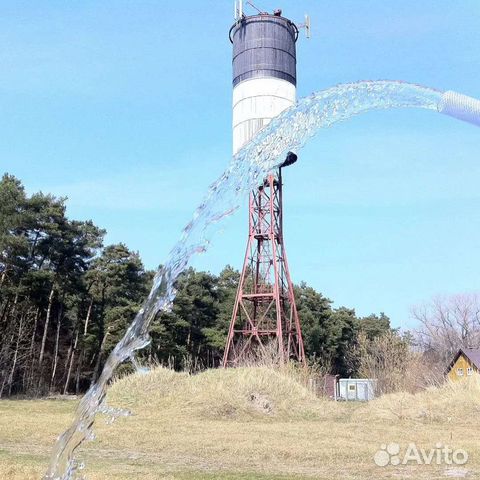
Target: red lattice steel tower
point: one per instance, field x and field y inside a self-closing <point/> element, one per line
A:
<point x="264" y="84"/>
<point x="265" y="313"/>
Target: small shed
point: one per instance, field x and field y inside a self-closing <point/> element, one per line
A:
<point x="357" y="389"/>
<point x="465" y="363"/>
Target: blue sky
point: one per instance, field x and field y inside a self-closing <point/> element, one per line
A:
<point x="125" y="107"/>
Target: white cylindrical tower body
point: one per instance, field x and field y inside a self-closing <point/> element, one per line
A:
<point x="264" y="73"/>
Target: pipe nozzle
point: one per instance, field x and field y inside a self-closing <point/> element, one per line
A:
<point x="460" y="106"/>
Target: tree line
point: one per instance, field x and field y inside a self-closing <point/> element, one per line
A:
<point x="66" y="300"/>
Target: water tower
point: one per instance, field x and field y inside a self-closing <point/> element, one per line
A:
<point x="264" y="319"/>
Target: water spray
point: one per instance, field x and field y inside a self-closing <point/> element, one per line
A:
<point x="266" y="151"/>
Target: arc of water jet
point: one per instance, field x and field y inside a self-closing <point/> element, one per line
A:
<point x="287" y="132"/>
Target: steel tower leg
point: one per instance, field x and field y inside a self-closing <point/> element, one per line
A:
<point x="265" y="320"/>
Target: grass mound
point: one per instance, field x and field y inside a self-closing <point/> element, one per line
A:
<point x="221" y="393"/>
<point x="246" y="423"/>
<point x="457" y="402"/>
<point x="265" y="392"/>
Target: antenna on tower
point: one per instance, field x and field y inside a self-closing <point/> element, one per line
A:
<point x="255" y="7"/>
<point x="238" y="10"/>
<point x="307" y="26"/>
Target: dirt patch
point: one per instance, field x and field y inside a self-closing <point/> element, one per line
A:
<point x="261" y="403"/>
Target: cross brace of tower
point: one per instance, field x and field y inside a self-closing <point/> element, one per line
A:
<point x="265" y="319"/>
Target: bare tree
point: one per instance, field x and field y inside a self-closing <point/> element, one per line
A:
<point x="448" y="323"/>
<point x="397" y="367"/>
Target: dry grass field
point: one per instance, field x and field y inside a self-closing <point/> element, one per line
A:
<point x="250" y="423"/>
